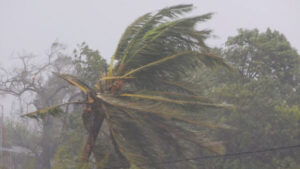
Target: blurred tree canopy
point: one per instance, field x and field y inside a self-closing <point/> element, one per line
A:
<point x="265" y="90"/>
<point x="263" y="55"/>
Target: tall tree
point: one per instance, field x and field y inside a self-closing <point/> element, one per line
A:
<point x="144" y="100"/>
<point x="36" y="87"/>
<point x="265" y="93"/>
<point x="263" y="54"/>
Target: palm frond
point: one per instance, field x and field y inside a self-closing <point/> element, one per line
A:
<point x="116" y="78"/>
<point x="52" y="110"/>
<point x="136" y="141"/>
<point x="184" y="86"/>
<point x="169" y="12"/>
<point x="134" y="32"/>
<point x="151" y="42"/>
<point x="165" y="59"/>
<point x="180" y="102"/>
<point x="113" y="101"/>
<point x="122" y="149"/>
<point x="160" y="46"/>
<point x="75" y="81"/>
<point x="165" y="30"/>
<point x="161" y="110"/>
<point x="209" y="125"/>
<point x="179" y="95"/>
<point x="126" y="38"/>
<point x="212" y="146"/>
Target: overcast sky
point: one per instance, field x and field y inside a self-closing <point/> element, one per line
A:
<point x="32" y="25"/>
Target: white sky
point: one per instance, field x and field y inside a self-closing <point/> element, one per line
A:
<point x="32" y="25"/>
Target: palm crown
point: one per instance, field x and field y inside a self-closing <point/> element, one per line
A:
<point x="144" y="100"/>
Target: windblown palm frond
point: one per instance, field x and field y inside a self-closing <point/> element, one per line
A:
<point x="141" y="100"/>
<point x="75" y="81"/>
<point x="135" y="32"/>
<point x="53" y="110"/>
<point x="150" y="113"/>
<point x="161" y="47"/>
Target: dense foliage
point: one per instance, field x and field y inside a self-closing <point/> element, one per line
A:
<point x="266" y="94"/>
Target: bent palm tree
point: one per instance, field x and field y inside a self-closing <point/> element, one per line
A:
<point x="143" y="99"/>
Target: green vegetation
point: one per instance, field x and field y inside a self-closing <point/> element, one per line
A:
<point x="265" y="92"/>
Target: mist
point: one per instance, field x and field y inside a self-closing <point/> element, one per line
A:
<point x="172" y="84"/>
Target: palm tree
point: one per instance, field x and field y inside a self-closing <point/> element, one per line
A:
<point x="144" y="98"/>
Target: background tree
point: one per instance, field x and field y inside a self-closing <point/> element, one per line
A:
<point x="265" y="54"/>
<point x="264" y="91"/>
<point x="89" y="64"/>
<point x="34" y="85"/>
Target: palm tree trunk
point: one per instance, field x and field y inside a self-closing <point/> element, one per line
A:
<point x="93" y="129"/>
